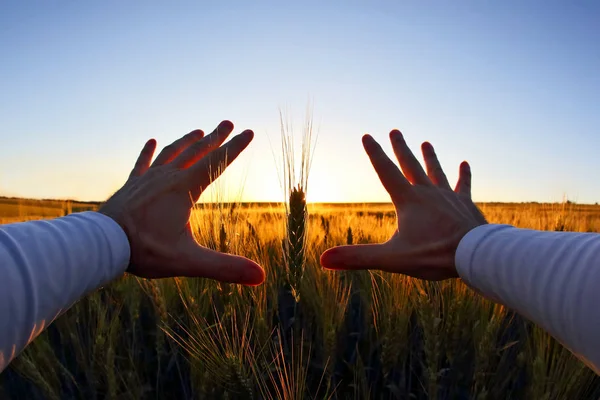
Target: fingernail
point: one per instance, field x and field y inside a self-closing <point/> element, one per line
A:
<point x="331" y="259"/>
<point x="426" y="146"/>
<point x="226" y="125"/>
<point x="368" y="140"/>
<point x="395" y="134"/>
<point x="254" y="275"/>
<point x="248" y="132"/>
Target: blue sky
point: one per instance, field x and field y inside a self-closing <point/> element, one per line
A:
<point x="513" y="87"/>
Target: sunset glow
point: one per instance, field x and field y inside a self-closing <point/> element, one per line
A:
<point x="511" y="88"/>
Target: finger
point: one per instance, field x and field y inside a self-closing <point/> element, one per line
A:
<point x="434" y="169"/>
<point x="205" y="171"/>
<point x="411" y="167"/>
<point x="381" y="257"/>
<point x="463" y="186"/>
<point x="359" y="257"/>
<point x="143" y="162"/>
<point x="201" y="148"/>
<point x="390" y="176"/>
<point x="205" y="263"/>
<point x="174" y="149"/>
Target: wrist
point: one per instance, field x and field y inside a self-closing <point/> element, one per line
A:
<point x="118" y="219"/>
<point x="469" y="244"/>
<point x="456" y="244"/>
<point x="114" y="234"/>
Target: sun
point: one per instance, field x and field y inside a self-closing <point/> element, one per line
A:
<point x="321" y="190"/>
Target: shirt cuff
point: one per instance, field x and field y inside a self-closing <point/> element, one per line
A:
<point x="116" y="237"/>
<point x="465" y="253"/>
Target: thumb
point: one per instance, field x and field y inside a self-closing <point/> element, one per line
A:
<point x="201" y="262"/>
<point x="358" y="257"/>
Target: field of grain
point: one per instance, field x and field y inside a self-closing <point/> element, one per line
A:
<point x="306" y="332"/>
<point x="17" y="210"/>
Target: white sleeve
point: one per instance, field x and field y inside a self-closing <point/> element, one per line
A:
<point x="46" y="266"/>
<point x="552" y="278"/>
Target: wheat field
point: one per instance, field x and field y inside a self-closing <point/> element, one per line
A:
<point x="306" y="333"/>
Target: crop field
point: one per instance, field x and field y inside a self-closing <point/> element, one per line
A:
<point x="306" y="333"/>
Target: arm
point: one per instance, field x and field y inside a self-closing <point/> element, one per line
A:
<point x="551" y="278"/>
<point x="46" y="266"/>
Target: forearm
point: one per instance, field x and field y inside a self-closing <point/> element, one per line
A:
<point x="552" y="278"/>
<point x="46" y="266"/>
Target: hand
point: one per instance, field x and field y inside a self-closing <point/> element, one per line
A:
<point x="432" y="219"/>
<point x="155" y="204"/>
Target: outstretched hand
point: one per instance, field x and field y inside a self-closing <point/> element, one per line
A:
<point x="432" y="218"/>
<point x="155" y="204"/>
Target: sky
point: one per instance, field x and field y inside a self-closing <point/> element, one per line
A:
<point x="512" y="86"/>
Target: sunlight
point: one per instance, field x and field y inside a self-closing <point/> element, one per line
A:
<point x="321" y="190"/>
